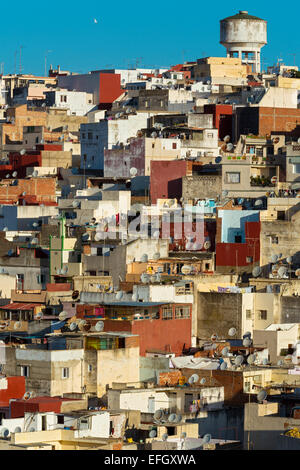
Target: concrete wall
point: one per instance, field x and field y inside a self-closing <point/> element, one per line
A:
<point x="116" y="365"/>
<point x="151" y="367"/>
<point x="201" y="186"/>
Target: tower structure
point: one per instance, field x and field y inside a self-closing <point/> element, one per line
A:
<point x="244" y="35"/>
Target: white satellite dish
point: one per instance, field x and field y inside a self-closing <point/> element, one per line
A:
<point x="251" y="359"/>
<point x="225" y="351"/>
<point x="99" y="325"/>
<point x="238" y="360"/>
<point x="289" y="259"/>
<point x="274" y="258"/>
<point x="119" y="295"/>
<point x="207" y="244"/>
<point x="15" y="174"/>
<point x="229" y="147"/>
<point x="172" y="418"/>
<point x="4" y="432"/>
<point x="202" y="381"/>
<point x="75" y="203"/>
<point x="261" y="396"/>
<point x="17" y="429"/>
<point x="223" y="366"/>
<point x="256" y="271"/>
<point x="73" y="326"/>
<point x="82" y="324"/>
<point x="152" y="433"/>
<point x="282" y="271"/>
<point x="165" y="437"/>
<point x="158" y="414"/>
<point x="22" y="152"/>
<point x="39" y="316"/>
<point x="17" y="325"/>
<point x="144" y="258"/>
<point x="63" y="315"/>
<point x="133" y="171"/>
<point x="247" y="342"/>
<point x="214" y="337"/>
<point x="206" y="438"/>
<point x="156" y="256"/>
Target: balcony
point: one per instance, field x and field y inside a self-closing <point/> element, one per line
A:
<point x="261" y="182"/>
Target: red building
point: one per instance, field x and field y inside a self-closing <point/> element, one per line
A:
<point x="161" y="326"/>
<point x="11" y="388"/>
<point x="165" y="179"/>
<point x="240" y="255"/>
<point x="222" y="118"/>
<point x="37" y="405"/>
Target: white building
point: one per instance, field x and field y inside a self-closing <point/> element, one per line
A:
<point x="77" y="103"/>
<point x="106" y="134"/>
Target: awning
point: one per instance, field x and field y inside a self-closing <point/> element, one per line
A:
<point x="19" y="306"/>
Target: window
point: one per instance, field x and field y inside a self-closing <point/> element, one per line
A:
<point x="248" y="314"/>
<point x="60" y="419"/>
<point x="296" y="168"/>
<point x="25" y="371"/>
<point x="210" y="135"/>
<point x="90" y="135"/>
<point x="174" y="145"/>
<point x="249" y="259"/>
<point x="280" y="215"/>
<point x="262" y="314"/>
<point x="182" y="312"/>
<point x="167" y="313"/>
<point x="65" y="373"/>
<point x="83" y="135"/>
<point x="233" y="177"/>
<point x="41" y="278"/>
<point x="63" y="98"/>
<point x="274" y="239"/>
<point x="90" y="368"/>
<point x="247" y="387"/>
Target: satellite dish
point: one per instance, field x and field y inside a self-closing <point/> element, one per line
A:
<point x="62" y="316"/>
<point x="85" y="236"/>
<point x="232" y="331"/>
<point x="26" y="396"/>
<point x="202" y="381"/>
<point x="134" y="297"/>
<point x="297" y="272"/>
<point x="165" y="437"/>
<point x="229" y="147"/>
<point x="183" y="435"/>
<point x="256" y="271"/>
<point x="4" y="432"/>
<point x="206" y="438"/>
<point x="82" y="324"/>
<point x="158" y="414"/>
<point x="227" y="139"/>
<point x="247" y="342"/>
<point x="99" y="325"/>
<point x="17" y="325"/>
<point x="223" y="366"/>
<point x="225" y="351"/>
<point x="144" y="258"/>
<point x="186" y="269"/>
<point x="39" y="316"/>
<point x="247" y="334"/>
<point x="224" y="193"/>
<point x="75" y="203"/>
<point x="17" y="429"/>
<point x="35" y="173"/>
<point x="35" y="224"/>
<point x="178" y="418"/>
<point x="119" y="295"/>
<point x="153" y="278"/>
<point x="15" y="174"/>
<point x="31" y="429"/>
<point x="172" y="418"/>
<point x="7" y="176"/>
<point x="282" y="271"/>
<point x="280" y="363"/>
<point x="251" y="359"/>
<point x="289" y="259"/>
<point x="133" y="171"/>
<point x="73" y="326"/>
<point x="196" y="377"/>
<point x="258" y="202"/>
<point x="191" y="380"/>
<point x="214" y="337"/>
<point x="145" y="278"/>
<point x="158" y="277"/>
<point x="265" y="361"/>
<point x="152" y="433"/>
<point x="261" y="396"/>
<point x="238" y="360"/>
<point x="218" y="159"/>
<point x="156" y="256"/>
<point x="22" y="152"/>
<point x="274" y="258"/>
<point x="207" y="244"/>
<point x="64" y="270"/>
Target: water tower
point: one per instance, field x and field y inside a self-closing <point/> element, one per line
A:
<point x="243" y="36"/>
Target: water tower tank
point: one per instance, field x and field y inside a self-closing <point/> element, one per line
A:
<point x="244" y="35"/>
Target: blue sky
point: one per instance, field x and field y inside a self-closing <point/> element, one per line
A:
<point x="154" y="33"/>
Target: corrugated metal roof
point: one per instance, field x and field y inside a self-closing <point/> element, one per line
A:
<point x="19" y="306"/>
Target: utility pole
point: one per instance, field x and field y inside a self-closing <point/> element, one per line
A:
<point x="46" y="53"/>
<point x="20" y="64"/>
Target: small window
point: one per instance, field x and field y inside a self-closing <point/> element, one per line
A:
<point x="262" y="314"/>
<point x="90" y="368"/>
<point x="174" y="145"/>
<point x="167" y="313"/>
<point x="182" y="312"/>
<point x="233" y="177"/>
<point x="248" y="314"/>
<point x="90" y="135"/>
<point x="60" y="419"/>
<point x="65" y="373"/>
<point x="25" y="371"/>
<point x="274" y="239"/>
<point x="249" y="259"/>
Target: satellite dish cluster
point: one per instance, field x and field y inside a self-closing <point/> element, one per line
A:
<point x="160" y="417"/>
